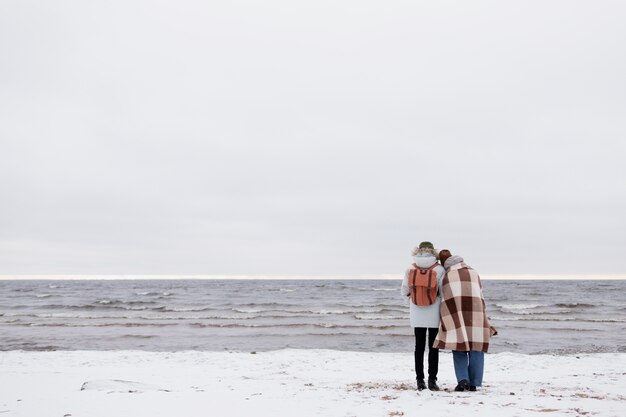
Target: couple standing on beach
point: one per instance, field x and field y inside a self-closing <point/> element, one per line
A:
<point x="447" y="308"/>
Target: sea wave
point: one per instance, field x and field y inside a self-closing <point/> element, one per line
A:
<point x="537" y="312"/>
<point x="182" y="309"/>
<point x="539" y="309"/>
<point x="126" y="302"/>
<point x="574" y="305"/>
<point x="294" y="325"/>
<point x="375" y="317"/>
<point x="136" y="336"/>
<point x="154" y="293"/>
<point x="515" y="307"/>
<point x="582" y="320"/>
<point x="65" y="324"/>
<point x="328" y="311"/>
<point x="101" y="306"/>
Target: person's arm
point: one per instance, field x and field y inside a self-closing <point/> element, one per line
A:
<point x="441" y="272"/>
<point x="405" y="292"/>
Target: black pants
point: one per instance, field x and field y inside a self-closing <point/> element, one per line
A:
<point x="433" y="354"/>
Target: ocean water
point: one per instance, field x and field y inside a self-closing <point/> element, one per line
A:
<point x="558" y="317"/>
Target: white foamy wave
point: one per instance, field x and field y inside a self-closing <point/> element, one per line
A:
<point x="351" y="311"/>
<point x="183" y="309"/>
<point x="558" y="319"/>
<point x="67" y="316"/>
<point x="282" y="289"/>
<point x="605" y="320"/>
<point x="44" y="295"/>
<point x="535" y="312"/>
<point x="332" y="311"/>
<point x="516" y="308"/>
<point x="377" y="317"/>
<point x="329" y="311"/>
<point x="153" y="293"/>
<point x="248" y="310"/>
<point x="192" y="317"/>
<point x="507" y="318"/>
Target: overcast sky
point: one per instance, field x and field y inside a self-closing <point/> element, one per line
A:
<point x="311" y="137"/>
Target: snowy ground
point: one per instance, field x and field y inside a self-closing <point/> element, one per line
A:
<point x="300" y="383"/>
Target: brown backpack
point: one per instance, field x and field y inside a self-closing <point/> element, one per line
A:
<point x="423" y="285"/>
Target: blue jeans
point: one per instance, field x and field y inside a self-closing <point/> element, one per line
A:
<point x="469" y="366"/>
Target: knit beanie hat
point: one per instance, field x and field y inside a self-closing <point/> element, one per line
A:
<point x="425" y="247"/>
<point x="443" y="255"/>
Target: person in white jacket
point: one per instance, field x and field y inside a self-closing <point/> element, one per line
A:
<point x="425" y="319"/>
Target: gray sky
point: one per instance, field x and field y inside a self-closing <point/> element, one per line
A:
<point x="311" y="137"/>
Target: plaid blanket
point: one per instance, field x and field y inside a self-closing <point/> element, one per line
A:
<point x="464" y="324"/>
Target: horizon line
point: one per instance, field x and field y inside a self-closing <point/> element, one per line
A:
<point x="94" y="277"/>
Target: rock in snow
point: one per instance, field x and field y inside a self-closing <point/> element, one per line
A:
<point x="118" y="385"/>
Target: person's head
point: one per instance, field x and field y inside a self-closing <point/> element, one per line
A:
<point x="443" y="255"/>
<point x="424" y="248"/>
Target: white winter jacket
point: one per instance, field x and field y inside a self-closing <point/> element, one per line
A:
<point x="427" y="316"/>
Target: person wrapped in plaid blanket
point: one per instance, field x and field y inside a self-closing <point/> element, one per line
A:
<point x="464" y="327"/>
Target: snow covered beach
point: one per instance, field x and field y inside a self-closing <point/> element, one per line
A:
<point x="300" y="383"/>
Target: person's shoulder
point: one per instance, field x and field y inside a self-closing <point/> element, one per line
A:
<point x="441" y="272"/>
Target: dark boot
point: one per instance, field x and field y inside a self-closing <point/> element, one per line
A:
<point x="472" y="388"/>
<point x="432" y="384"/>
<point x="420" y="384"/>
<point x="462" y="386"/>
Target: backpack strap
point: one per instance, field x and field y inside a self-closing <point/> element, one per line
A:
<point x="430" y="268"/>
<point x="412" y="286"/>
<point x="430" y="277"/>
